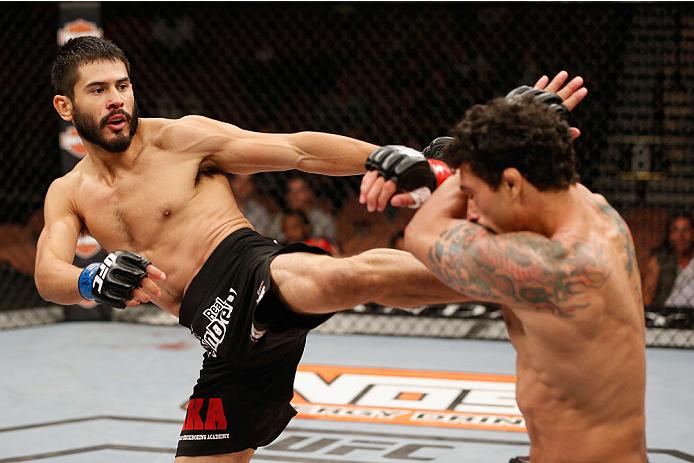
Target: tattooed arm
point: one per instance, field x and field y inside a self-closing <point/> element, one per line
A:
<point x="520" y="269"/>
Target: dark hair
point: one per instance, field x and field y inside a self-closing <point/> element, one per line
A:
<point x="303" y="217"/>
<point x="679" y="214"/>
<point x="667" y="246"/>
<point x="502" y="134"/>
<point x="79" y="51"/>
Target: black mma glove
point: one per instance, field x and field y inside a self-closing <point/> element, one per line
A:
<point x="113" y="281"/>
<point x="409" y="168"/>
<point x="435" y="148"/>
<point x="523" y="94"/>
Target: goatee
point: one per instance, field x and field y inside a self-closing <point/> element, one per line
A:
<point x="91" y="131"/>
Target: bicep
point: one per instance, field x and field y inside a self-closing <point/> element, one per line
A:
<point x="61" y="230"/>
<point x="314" y="152"/>
<point x="235" y="150"/>
<point x="57" y="240"/>
<point x="463" y="256"/>
<point x="227" y="146"/>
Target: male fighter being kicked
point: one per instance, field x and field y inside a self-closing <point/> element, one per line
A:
<point x="514" y="227"/>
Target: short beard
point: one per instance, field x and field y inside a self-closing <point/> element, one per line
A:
<point x="91" y="131"/>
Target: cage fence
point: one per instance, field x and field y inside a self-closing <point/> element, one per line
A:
<point x="387" y="73"/>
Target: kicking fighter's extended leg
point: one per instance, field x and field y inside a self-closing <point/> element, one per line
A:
<point x="311" y="283"/>
<point x="236" y="457"/>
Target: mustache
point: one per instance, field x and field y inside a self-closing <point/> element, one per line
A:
<point x="104" y="120"/>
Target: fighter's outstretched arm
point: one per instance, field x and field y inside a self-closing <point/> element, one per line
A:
<point x="236" y="150"/>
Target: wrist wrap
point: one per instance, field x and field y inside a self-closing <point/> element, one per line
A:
<point x="87" y="279"/>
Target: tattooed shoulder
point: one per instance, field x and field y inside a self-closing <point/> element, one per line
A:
<point x="621" y="227"/>
<point x="519" y="269"/>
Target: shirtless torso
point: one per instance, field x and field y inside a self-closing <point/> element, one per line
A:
<point x="572" y="304"/>
<point x="581" y="375"/>
<point x="178" y="196"/>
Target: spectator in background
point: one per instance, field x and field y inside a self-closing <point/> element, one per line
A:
<point x="300" y="196"/>
<point x="256" y="207"/>
<point x="297" y="227"/>
<point x="17" y="260"/>
<point x="359" y="230"/>
<point x="18" y="244"/>
<point x="668" y="278"/>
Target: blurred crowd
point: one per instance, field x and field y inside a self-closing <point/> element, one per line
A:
<point x="298" y="211"/>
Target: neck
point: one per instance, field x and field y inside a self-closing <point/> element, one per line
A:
<point x="551" y="211"/>
<point x="115" y="160"/>
<point x="109" y="163"/>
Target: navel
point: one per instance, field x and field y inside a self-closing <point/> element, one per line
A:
<point x="166" y="212"/>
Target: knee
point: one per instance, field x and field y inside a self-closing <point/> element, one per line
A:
<point x="316" y="284"/>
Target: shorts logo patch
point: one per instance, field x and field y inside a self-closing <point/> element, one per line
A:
<point x="215" y="420"/>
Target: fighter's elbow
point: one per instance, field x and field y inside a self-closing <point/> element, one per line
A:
<point x="413" y="240"/>
<point x="42" y="281"/>
<point x="41" y="284"/>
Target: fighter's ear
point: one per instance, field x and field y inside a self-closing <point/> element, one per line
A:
<point x="63" y="105"/>
<point x="512" y="181"/>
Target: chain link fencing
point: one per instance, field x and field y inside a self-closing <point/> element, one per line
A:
<point x="387" y="73"/>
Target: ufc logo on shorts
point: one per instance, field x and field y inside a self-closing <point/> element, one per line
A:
<point x="103" y="268"/>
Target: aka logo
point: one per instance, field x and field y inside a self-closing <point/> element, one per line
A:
<point x="213" y="411"/>
<point x="78" y="28"/>
<point x="219" y="315"/>
<point x="71" y="142"/>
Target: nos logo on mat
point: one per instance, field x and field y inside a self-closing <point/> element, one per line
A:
<point x="419" y="398"/>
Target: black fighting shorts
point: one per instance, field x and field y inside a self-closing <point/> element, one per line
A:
<point x="253" y="345"/>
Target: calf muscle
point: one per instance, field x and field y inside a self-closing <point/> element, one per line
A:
<point x="321" y="284"/>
